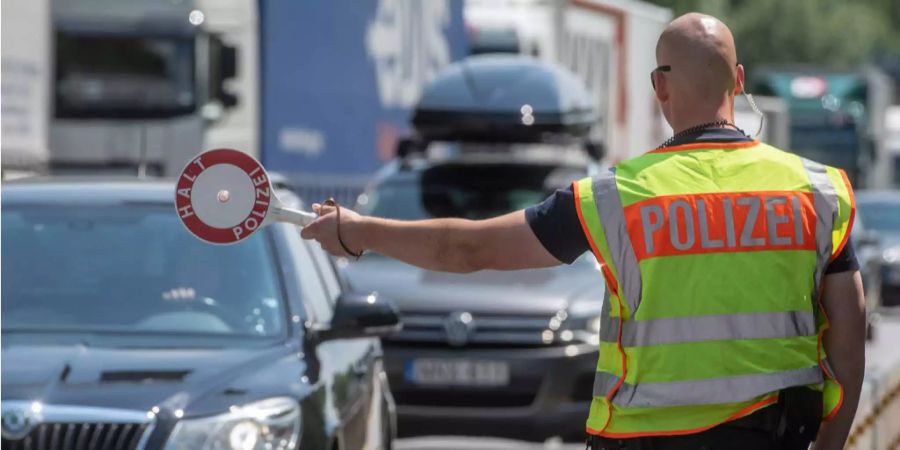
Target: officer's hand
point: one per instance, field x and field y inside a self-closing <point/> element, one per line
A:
<point x="325" y="230"/>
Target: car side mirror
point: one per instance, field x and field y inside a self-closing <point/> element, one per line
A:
<point x="360" y="315"/>
<point x="223" y="66"/>
<point x="229" y="100"/>
<point x="408" y="146"/>
<point x="595" y="149"/>
<point x="227" y="61"/>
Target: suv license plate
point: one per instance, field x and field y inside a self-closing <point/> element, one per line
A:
<point x="457" y="372"/>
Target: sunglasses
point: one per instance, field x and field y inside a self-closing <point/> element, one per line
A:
<point x="666" y="69"/>
<point x="658" y="69"/>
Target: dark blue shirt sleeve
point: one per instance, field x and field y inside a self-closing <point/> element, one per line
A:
<point x="555" y="223"/>
<point x="845" y="261"/>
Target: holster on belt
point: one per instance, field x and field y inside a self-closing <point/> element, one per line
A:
<point x="801" y="416"/>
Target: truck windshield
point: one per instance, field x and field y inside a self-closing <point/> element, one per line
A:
<point x="132" y="270"/>
<point x="834" y="146"/>
<point x="123" y="76"/>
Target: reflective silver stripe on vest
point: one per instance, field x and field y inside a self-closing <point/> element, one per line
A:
<point x="612" y="218"/>
<point x="609" y="326"/>
<point x="825" y="202"/>
<point x="673" y="330"/>
<point x="703" y="392"/>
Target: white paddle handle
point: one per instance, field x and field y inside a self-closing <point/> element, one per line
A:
<point x="293" y="216"/>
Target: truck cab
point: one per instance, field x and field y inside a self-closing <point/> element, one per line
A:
<point x="834" y="116"/>
<point x="135" y="85"/>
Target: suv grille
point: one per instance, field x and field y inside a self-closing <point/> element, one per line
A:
<point x="493" y="331"/>
<point x="80" y="436"/>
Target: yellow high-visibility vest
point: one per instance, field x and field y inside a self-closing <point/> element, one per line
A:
<point x="714" y="256"/>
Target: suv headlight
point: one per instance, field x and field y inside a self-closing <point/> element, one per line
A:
<point x="271" y="424"/>
<point x="590" y="334"/>
<point x="575" y="329"/>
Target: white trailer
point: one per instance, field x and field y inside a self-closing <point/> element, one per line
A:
<point x="608" y="43"/>
<point x="25" y="94"/>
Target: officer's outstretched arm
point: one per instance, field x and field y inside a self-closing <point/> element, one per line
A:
<point x="449" y="245"/>
<point x="845" y="344"/>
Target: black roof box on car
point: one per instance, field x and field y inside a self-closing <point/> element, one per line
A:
<point x="503" y="97"/>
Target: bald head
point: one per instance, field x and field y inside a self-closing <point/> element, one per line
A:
<point x="700" y="50"/>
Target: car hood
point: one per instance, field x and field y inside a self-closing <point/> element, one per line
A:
<point x="525" y="292"/>
<point x="197" y="381"/>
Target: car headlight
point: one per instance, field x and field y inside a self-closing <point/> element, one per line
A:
<point x="591" y="332"/>
<point x="593" y="325"/>
<point x="271" y="424"/>
<point x="578" y="329"/>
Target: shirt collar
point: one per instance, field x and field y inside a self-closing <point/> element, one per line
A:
<point x="712" y="135"/>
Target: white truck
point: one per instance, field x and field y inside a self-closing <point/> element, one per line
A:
<point x="320" y="91"/>
<point x="100" y="86"/>
<point x="608" y="43"/>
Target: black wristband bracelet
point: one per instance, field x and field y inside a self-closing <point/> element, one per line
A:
<point x="332" y="202"/>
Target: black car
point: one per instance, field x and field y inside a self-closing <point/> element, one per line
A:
<point x="510" y="354"/>
<point x="122" y="331"/>
<point x="880" y="211"/>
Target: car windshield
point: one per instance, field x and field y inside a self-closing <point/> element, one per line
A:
<point x="471" y="191"/>
<point x="107" y="76"/>
<point x="881" y="215"/>
<point x="132" y="269"/>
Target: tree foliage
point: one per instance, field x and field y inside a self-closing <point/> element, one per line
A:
<point x="826" y="33"/>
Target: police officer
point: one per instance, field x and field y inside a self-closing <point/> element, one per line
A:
<point x="736" y="316"/>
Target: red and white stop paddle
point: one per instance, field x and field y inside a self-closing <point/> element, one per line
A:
<point x="224" y="196"/>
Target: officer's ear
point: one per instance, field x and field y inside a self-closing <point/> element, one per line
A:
<point x="739" y="80"/>
<point x="661" y="87"/>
